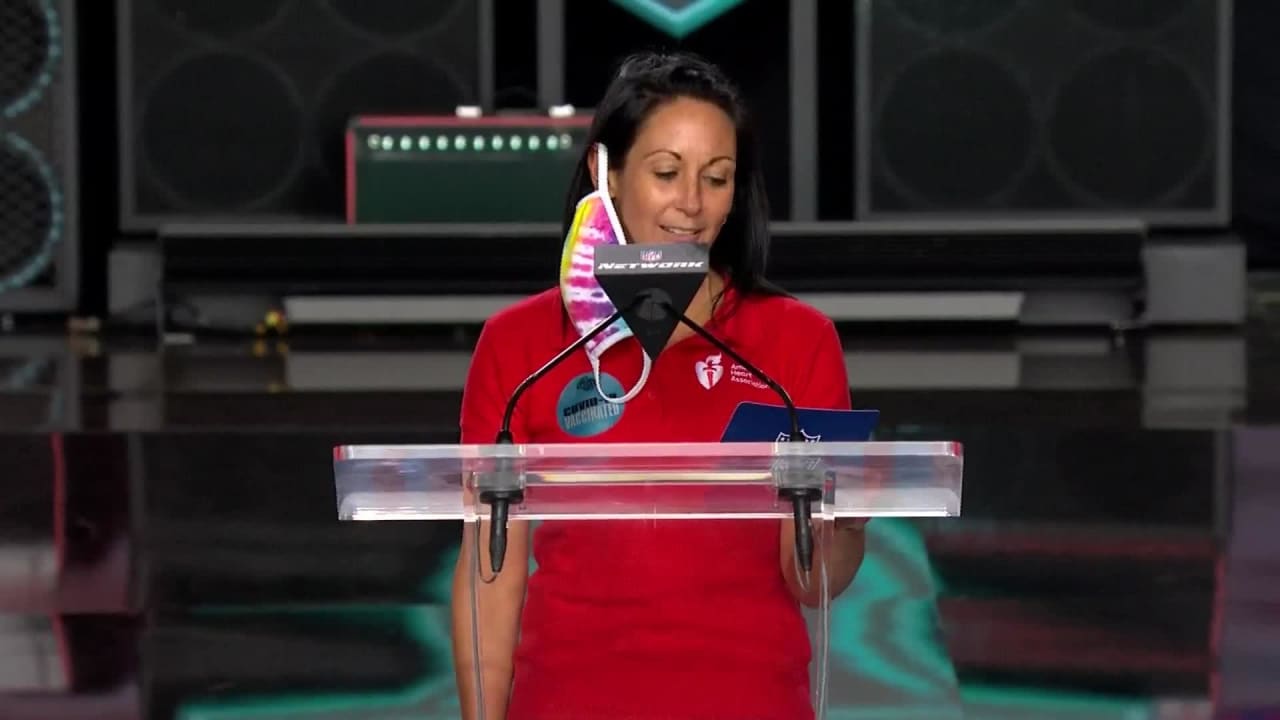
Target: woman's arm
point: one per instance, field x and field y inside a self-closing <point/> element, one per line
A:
<point x="824" y="383"/>
<point x="490" y="381"/>
<point x="500" y="603"/>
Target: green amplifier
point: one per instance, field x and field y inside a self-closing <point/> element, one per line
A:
<point x="456" y="169"/>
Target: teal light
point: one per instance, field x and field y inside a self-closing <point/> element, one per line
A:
<point x="432" y="697"/>
<point x="886" y="633"/>
<point x="675" y="18"/>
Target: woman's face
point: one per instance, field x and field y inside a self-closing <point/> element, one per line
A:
<point x="676" y="182"/>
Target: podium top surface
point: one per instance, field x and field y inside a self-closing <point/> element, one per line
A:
<point x="648" y="480"/>
<point x="694" y="452"/>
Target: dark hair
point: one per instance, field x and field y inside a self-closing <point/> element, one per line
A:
<point x="644" y="82"/>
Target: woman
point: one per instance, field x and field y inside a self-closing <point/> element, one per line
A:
<point x="679" y="619"/>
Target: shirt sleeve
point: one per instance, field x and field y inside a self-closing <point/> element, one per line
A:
<point x="824" y="384"/>
<point x="486" y="391"/>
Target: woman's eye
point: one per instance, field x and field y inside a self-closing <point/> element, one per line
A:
<point x="666" y="175"/>
<point x="717" y="181"/>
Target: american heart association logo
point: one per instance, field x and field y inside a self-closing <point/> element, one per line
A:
<point x="709" y="371"/>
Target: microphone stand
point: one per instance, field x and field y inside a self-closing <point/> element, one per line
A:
<point x="502" y="487"/>
<point x="801" y="498"/>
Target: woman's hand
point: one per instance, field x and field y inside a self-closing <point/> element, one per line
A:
<point x="851" y="524"/>
<point x="840" y="549"/>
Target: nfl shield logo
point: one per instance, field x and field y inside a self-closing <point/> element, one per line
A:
<point x="786" y="436"/>
<point x="650" y="255"/>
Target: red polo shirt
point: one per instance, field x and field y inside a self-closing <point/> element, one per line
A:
<point x="655" y="619"/>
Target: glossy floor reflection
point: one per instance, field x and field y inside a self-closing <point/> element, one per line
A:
<point x="169" y="547"/>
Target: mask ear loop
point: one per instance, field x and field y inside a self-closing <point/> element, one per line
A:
<point x="644" y="376"/>
<point x="602" y="186"/>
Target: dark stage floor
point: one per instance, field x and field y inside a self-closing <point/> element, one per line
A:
<point x="169" y="547"/>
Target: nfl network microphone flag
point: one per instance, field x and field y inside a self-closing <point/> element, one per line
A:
<point x="641" y="279"/>
<point x="759" y="422"/>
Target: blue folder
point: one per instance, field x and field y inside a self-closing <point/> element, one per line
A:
<point x="758" y="422"/>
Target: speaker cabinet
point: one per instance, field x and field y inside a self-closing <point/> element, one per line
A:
<point x="1044" y="108"/>
<point x="238" y="109"/>
<point x="39" y="246"/>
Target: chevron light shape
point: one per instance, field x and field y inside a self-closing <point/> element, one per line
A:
<point x="678" y="18"/>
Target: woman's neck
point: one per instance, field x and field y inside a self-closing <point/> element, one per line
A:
<point x="702" y="307"/>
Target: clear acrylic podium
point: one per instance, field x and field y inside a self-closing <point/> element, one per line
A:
<point x="650" y="487"/>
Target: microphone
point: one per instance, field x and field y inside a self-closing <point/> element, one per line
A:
<point x="652" y="285"/>
<point x="503" y="485"/>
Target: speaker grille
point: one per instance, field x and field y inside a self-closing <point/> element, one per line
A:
<point x="37" y="157"/>
<point x="27" y="53"/>
<point x="1089" y="107"/>
<point x="29" y="213"/>
<point x="240" y="109"/>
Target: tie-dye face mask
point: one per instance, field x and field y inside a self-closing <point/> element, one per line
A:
<point x="595" y="223"/>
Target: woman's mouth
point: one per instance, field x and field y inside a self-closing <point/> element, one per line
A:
<point x="681" y="234"/>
